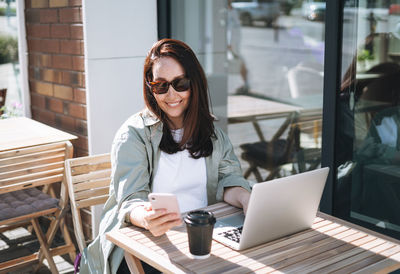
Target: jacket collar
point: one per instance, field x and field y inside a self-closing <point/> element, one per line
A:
<point x="149" y="118"/>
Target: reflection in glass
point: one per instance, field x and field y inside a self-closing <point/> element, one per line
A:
<point x="368" y="117"/>
<point x="10" y="91"/>
<point x="264" y="64"/>
<point x="281" y="46"/>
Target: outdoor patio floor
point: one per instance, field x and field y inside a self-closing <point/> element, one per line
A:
<point x="20" y="242"/>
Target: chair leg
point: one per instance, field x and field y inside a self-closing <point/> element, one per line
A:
<point x="272" y="174"/>
<point x="67" y="239"/>
<point x="257" y="174"/>
<point x="134" y="264"/>
<point x="59" y="222"/>
<point x="44" y="247"/>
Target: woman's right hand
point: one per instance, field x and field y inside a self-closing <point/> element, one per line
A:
<point x="156" y="221"/>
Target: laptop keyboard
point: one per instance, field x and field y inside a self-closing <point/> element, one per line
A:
<point x="232" y="234"/>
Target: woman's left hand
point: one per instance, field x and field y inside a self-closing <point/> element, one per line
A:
<point x="237" y="196"/>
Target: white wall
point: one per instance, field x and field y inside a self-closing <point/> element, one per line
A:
<point x="117" y="36"/>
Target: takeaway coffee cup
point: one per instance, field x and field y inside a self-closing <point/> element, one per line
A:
<point x="199" y="226"/>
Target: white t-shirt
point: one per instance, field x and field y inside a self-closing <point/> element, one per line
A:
<point x="183" y="176"/>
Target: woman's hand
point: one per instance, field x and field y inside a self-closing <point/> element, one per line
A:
<point x="156" y="221"/>
<point x="237" y="196"/>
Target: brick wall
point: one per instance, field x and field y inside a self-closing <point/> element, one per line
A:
<point x="56" y="66"/>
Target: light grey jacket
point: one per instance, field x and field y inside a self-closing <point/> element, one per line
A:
<point x="134" y="156"/>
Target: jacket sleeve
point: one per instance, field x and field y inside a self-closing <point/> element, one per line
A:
<point x="130" y="172"/>
<point x="229" y="170"/>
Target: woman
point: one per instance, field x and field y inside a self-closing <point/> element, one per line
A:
<point x="171" y="146"/>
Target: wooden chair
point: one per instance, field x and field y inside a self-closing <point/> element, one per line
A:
<point x="88" y="180"/>
<point x="274" y="154"/>
<point x="29" y="179"/>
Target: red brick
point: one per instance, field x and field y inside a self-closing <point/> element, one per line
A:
<point x="48" y="16"/>
<point x="70" y="15"/>
<point x="63" y="92"/>
<point x="34" y="59"/>
<point x="60" y="31"/>
<point x="83" y="81"/>
<point x="81" y="127"/>
<point x="32" y="16"/>
<point x="71" y="47"/>
<point x="39" y="60"/>
<point x="54" y="105"/>
<point x="45" y="60"/>
<point x="37" y="100"/>
<point x="73" y="3"/>
<point x="44" y="45"/>
<point x="40" y="3"/>
<point x="80" y="95"/>
<point x="65" y="122"/>
<point x="46" y="117"/>
<point x="73" y="78"/>
<point x="62" y="62"/>
<point x="77" y="32"/>
<point x="38" y="31"/>
<point x="78" y="63"/>
<point x="50" y="75"/>
<point x="34" y="73"/>
<point x="42" y="88"/>
<point x="58" y="3"/>
<point x="81" y="142"/>
<point x="77" y="110"/>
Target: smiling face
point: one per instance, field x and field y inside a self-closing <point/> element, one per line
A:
<point x="173" y="103"/>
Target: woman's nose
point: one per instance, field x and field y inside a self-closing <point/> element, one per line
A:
<point x="171" y="91"/>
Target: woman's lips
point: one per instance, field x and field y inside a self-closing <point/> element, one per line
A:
<point x="174" y="104"/>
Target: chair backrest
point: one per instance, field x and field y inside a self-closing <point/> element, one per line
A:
<point x="88" y="180"/>
<point x="33" y="166"/>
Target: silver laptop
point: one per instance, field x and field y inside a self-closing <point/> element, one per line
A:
<point x="276" y="208"/>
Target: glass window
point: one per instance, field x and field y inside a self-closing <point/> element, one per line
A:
<point x="264" y="63"/>
<point x="368" y="117"/>
<point x="10" y="90"/>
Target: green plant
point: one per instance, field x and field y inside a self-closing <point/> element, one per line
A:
<point x="12" y="12"/>
<point x="365" y="55"/>
<point x="8" y="49"/>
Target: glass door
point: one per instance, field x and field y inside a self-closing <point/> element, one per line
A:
<point x="367" y="138"/>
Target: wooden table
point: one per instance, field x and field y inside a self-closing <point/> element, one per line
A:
<point x="32" y="155"/>
<point x="242" y="108"/>
<point x="330" y="245"/>
<point x="22" y="132"/>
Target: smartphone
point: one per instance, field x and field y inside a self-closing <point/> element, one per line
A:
<point x="164" y="200"/>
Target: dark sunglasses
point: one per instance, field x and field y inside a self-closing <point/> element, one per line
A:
<point x="161" y="87"/>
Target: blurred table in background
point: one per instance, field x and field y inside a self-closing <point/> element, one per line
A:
<point x="22" y="132"/>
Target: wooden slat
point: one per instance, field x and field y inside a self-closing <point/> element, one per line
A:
<point x="32" y="176"/>
<point x="32" y="162"/>
<point x="90" y="168"/>
<point x="92" y="184"/>
<point x="91" y="176"/>
<point x="89" y="160"/>
<point x="92" y="201"/>
<point x="91" y="193"/>
<point x="31" y="183"/>
<point x="30" y="150"/>
<point x="28" y="216"/>
<point x="32" y="170"/>
<point x="30" y="157"/>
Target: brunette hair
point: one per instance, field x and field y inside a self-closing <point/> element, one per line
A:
<point x="198" y="121"/>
